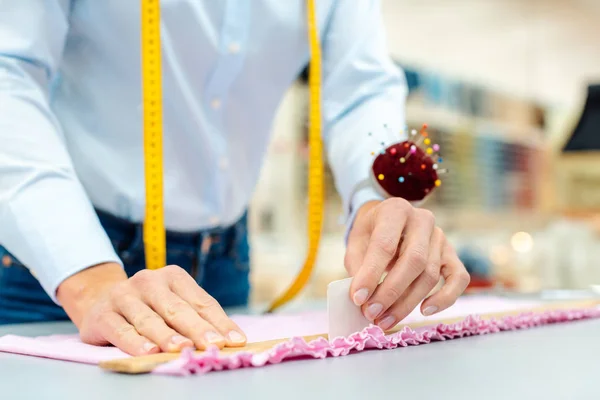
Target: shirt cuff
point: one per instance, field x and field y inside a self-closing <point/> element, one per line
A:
<point x="360" y="198"/>
<point x="55" y="231"/>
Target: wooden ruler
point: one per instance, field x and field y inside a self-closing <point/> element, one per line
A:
<point x="145" y="364"/>
<point x="154" y="229"/>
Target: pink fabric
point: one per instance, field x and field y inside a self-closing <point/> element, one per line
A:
<point x="277" y="326"/>
<point x="59" y="347"/>
<point x="370" y="338"/>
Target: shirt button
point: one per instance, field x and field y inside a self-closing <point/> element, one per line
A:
<point x="223" y="163"/>
<point x="234" y="48"/>
<point x="214" y="220"/>
<point x="215" y="104"/>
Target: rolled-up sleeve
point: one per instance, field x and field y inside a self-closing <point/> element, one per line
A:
<point x="46" y="218"/>
<point x="363" y="92"/>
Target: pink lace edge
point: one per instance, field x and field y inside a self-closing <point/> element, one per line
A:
<point x="371" y="337"/>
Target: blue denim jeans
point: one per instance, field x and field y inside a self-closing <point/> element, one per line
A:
<point x="218" y="259"/>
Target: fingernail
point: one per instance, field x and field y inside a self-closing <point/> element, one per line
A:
<point x="387" y="322"/>
<point x="149" y="347"/>
<point x="177" y="340"/>
<point x="213" y="337"/>
<point x="236" y="337"/>
<point x="373" y="311"/>
<point x="430" y="310"/>
<point x="360" y="296"/>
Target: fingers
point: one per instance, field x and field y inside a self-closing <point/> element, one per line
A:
<point x="358" y="238"/>
<point x="419" y="288"/>
<point x="388" y="222"/>
<point x="154" y="290"/>
<point x="149" y="324"/>
<point x="159" y="310"/>
<point x="180" y="315"/>
<point x="208" y="308"/>
<point x="411" y="263"/>
<point x="358" y="241"/>
<point x="456" y="281"/>
<point x="394" y="234"/>
<point x="116" y="330"/>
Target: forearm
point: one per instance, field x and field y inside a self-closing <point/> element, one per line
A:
<point x="47" y="219"/>
<point x="80" y="291"/>
<point x="364" y="95"/>
<point x="350" y="146"/>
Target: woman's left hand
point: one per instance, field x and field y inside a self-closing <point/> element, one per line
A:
<point x="403" y="240"/>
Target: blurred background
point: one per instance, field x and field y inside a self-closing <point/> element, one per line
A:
<point x="509" y="88"/>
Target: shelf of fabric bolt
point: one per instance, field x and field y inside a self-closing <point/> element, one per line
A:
<point x="507" y="365"/>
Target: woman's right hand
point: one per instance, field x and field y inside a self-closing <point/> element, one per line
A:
<point x="153" y="311"/>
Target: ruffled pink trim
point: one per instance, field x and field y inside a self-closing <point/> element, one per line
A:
<point x="371" y="337"/>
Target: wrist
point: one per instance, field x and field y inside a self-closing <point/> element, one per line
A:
<point x="80" y="291"/>
<point x="364" y="208"/>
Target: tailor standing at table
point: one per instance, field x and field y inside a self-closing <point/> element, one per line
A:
<point x="72" y="179"/>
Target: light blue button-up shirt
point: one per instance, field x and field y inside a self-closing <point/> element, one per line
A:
<point x="71" y="120"/>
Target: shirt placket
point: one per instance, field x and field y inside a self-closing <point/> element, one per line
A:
<point x="232" y="43"/>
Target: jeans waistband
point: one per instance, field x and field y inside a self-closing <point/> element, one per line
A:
<point x="192" y="238"/>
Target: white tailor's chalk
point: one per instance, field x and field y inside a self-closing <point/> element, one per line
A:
<point x="345" y="317"/>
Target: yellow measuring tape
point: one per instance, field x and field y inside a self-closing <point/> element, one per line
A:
<point x="315" y="164"/>
<point x="155" y="246"/>
<point x="154" y="230"/>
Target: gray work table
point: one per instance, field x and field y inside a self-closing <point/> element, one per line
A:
<point x="551" y="362"/>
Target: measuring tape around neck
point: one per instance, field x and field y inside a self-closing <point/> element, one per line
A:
<point x="154" y="229"/>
